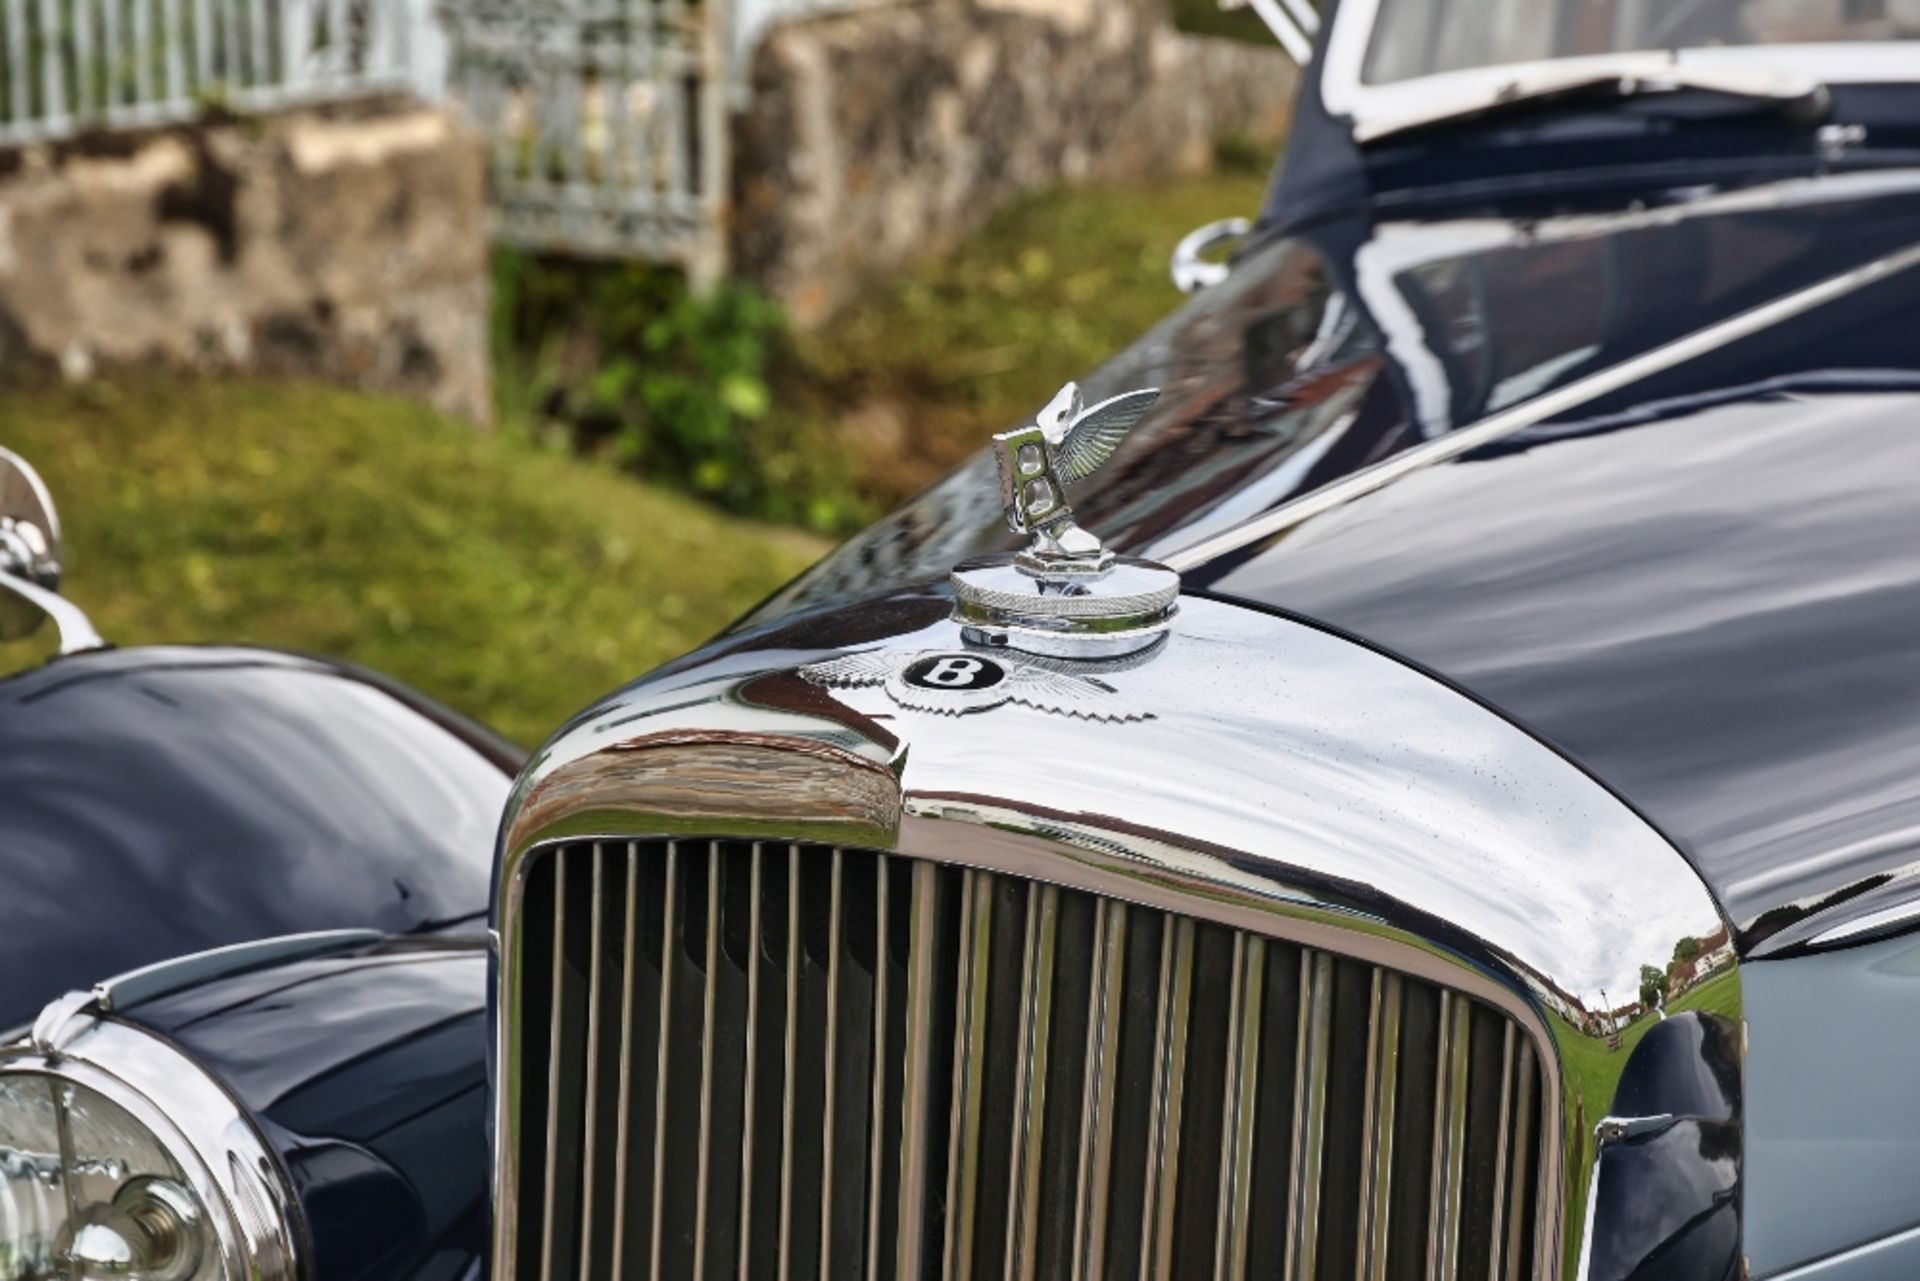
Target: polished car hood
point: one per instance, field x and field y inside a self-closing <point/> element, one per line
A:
<point x="1695" y="584"/>
<point x="160" y="801"/>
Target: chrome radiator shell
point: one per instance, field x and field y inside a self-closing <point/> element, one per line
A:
<point x="1288" y="785"/>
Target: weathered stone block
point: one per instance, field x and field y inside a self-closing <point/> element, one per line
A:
<point x="880" y="134"/>
<point x="350" y="245"/>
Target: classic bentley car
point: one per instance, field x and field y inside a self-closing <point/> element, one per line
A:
<point x="1413" y="772"/>
<point x="264" y="879"/>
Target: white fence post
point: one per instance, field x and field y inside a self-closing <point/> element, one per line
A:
<point x="74" y="65"/>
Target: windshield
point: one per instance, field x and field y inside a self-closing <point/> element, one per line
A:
<point x="1413" y="38"/>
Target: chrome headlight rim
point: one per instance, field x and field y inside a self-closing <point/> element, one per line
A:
<point x="228" y="1165"/>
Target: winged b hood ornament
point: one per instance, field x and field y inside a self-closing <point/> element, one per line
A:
<point x="1065" y="444"/>
<point x="1065" y="595"/>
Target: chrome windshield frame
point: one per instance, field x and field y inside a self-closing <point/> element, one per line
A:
<point x="1376" y="111"/>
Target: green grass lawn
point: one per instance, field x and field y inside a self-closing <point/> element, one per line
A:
<point x="919" y="372"/>
<point x="512" y="582"/>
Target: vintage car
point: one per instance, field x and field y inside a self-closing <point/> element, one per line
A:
<point x="267" y="874"/>
<point x="1414" y="773"/>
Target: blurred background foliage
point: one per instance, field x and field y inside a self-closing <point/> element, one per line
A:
<point x="662" y="461"/>
<point x="717" y="397"/>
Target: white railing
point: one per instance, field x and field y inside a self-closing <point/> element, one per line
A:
<point x="69" y="66"/>
<point x="607" y="120"/>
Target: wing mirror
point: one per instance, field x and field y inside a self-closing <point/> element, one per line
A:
<point x="30" y="557"/>
<point x="1193" y="269"/>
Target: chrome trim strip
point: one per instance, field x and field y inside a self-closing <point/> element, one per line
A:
<point x="1888" y="919"/>
<point x="1530" y="413"/>
<point x="1030" y="1080"/>
<point x="1242" y="1095"/>
<point x="1382" y="1107"/>
<point x="1522" y="1142"/>
<point x="1449" y="1137"/>
<point x="1282" y="19"/>
<point x="917" y="1076"/>
<point x="233" y="1171"/>
<point x="1313" y="1046"/>
<point x="60" y="1021"/>
<point x="877" y="1076"/>
<point x="554" y="1028"/>
<point x="670" y="929"/>
<point x="750" y="1081"/>
<point x="1504" y="1159"/>
<point x="1169" y="1096"/>
<point x="836" y="947"/>
<point x="791" y="1057"/>
<point x="590" y="1125"/>
<point x="703" y="1161"/>
<point x="77" y="634"/>
<point x="969" y="1035"/>
<point x="630" y="957"/>
<point x="176" y="974"/>
<point x="1093" y="1186"/>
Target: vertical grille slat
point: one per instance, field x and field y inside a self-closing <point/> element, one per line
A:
<point x="878" y="1179"/>
<point x="1518" y="1182"/>
<point x="1383" y="1087"/>
<point x="969" y="1036"/>
<point x="1030" y="1080"/>
<point x="1315" y="1044"/>
<point x="1102" y="1079"/>
<point x="1242" y="1098"/>
<point x="917" y="1083"/>
<point x="765" y="1061"/>
<point x="790" y="1057"/>
<point x="1449" y="1136"/>
<point x="623" y="1122"/>
<point x="750" y="1126"/>
<point x="556" y="1068"/>
<point x="671" y="963"/>
<point x="1169" y="1099"/>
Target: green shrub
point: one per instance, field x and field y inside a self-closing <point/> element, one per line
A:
<point x="624" y="359"/>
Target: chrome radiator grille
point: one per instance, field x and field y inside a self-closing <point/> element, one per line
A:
<point x="751" y="1060"/>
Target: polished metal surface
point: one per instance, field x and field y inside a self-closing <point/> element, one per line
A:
<point x="1067" y="442"/>
<point x="230" y="1168"/>
<point x="32" y="554"/>
<point x="30" y="542"/>
<point x="1200" y="1124"/>
<point x="978" y="680"/>
<point x="1292" y="786"/>
<point x="1541" y="408"/>
<point x="1191" y="267"/>
<point x="1065" y="594"/>
<point x="150" y="982"/>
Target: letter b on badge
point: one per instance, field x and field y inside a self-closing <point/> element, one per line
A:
<point x="955" y="672"/>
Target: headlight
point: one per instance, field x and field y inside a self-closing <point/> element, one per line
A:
<point x="121" y="1158"/>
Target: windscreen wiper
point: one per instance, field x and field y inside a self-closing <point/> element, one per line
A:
<point x="1627" y="75"/>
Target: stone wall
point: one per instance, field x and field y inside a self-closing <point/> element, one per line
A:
<point x="878" y="135"/>
<point x="349" y="245"/>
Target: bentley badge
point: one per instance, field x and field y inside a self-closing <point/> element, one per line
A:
<point x="952" y="684"/>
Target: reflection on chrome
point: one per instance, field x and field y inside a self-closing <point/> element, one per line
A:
<point x="1291" y="786"/>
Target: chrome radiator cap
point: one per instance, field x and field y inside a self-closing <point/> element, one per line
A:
<point x="1065" y="595"/>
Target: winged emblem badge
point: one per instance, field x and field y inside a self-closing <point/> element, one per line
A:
<point x="953" y="684"/>
<point x="1067" y="443"/>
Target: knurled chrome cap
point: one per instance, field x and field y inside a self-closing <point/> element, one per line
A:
<point x="1122" y="610"/>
